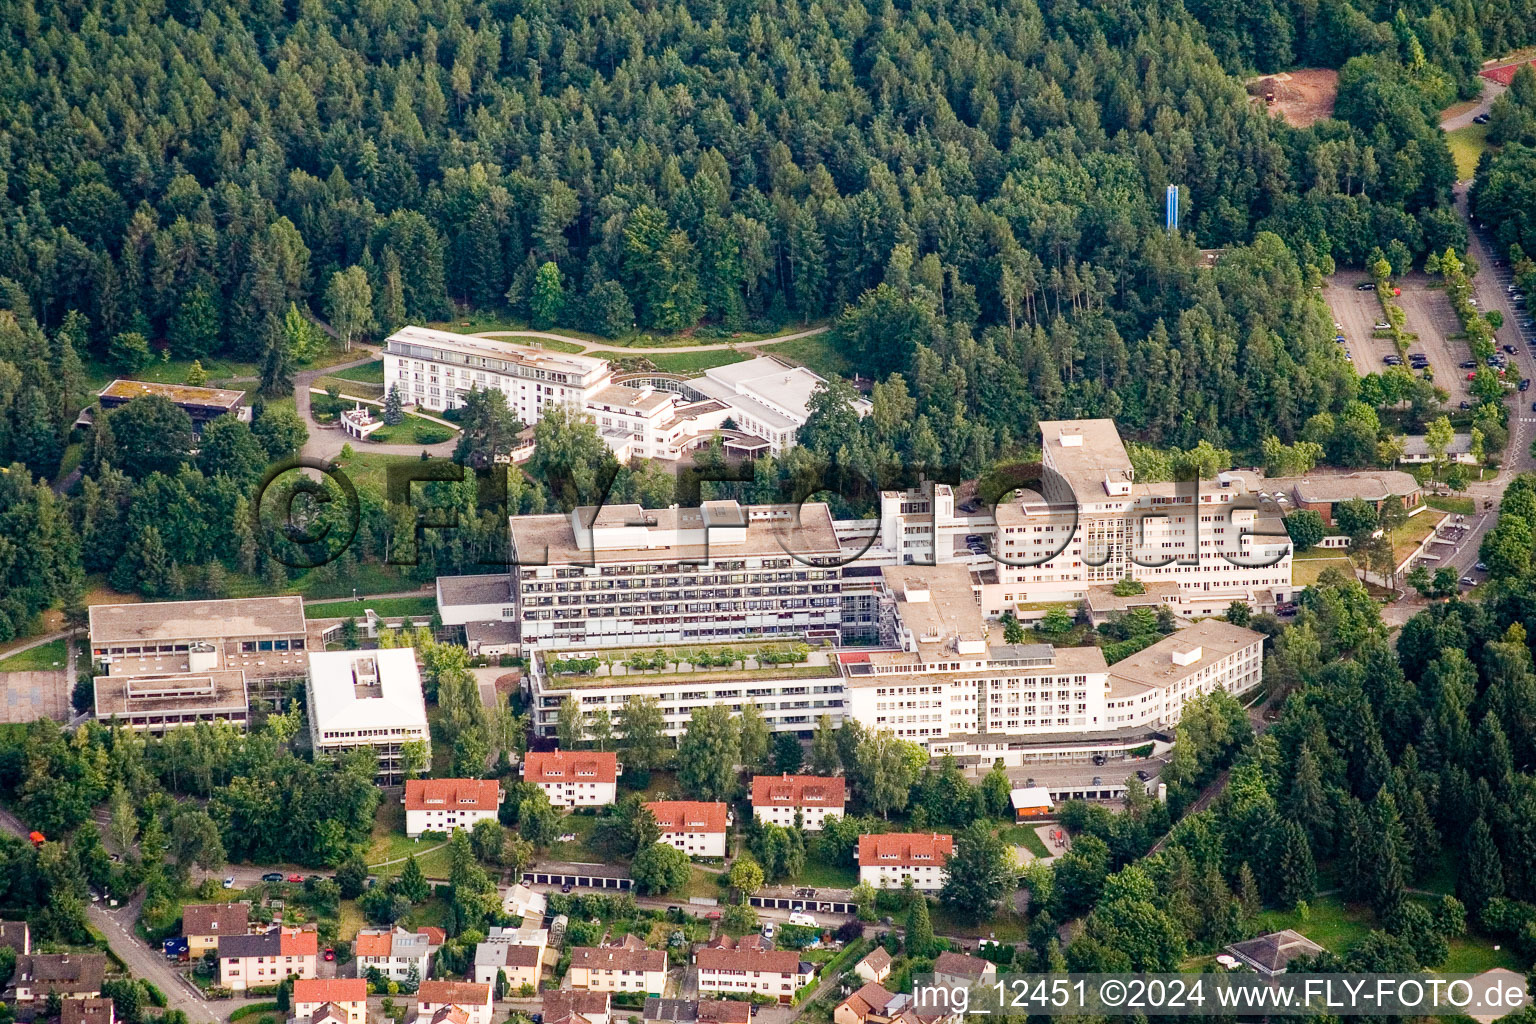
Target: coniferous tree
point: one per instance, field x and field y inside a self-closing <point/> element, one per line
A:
<point x="1481" y="877"/>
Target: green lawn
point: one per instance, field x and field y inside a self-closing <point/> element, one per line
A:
<point x="412" y="430"/>
<point x="1450" y="503"/>
<point x="365" y="467"/>
<point x="815" y="352"/>
<point x="695" y="362"/>
<point x="99" y="374"/>
<point x="1025" y="836"/>
<point x="820" y="874"/>
<point x="368" y="373"/>
<point x="1329" y="922"/>
<point x="53" y="654"/>
<point x="1467" y="144"/>
<point x="1005" y="927"/>
<point x="418" y="608"/>
<point x="581" y="826"/>
<point x="703" y="882"/>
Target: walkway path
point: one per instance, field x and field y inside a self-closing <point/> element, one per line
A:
<point x="1491" y="91"/>
<point x="325" y="442"/>
<point x="596" y="346"/>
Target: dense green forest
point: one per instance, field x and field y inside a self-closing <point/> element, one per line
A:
<point x="971" y="193"/>
<point x="185" y="172"/>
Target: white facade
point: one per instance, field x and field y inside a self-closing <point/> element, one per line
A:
<point x="785" y="799"/>
<point x="443" y="805"/>
<point x="695" y="827"/>
<point x="367" y="699"/>
<point x="891" y="860"/>
<point x="1151" y="687"/>
<point x="768" y="397"/>
<point x="788" y="702"/>
<point x="582" y="778"/>
<point x="434" y="370"/>
<point x="473" y="999"/>
<point x="778" y="974"/>
<point x="622" y="575"/>
<point x="393" y="952"/>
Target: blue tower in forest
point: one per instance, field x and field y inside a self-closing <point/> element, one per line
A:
<point x="1172" y="207"/>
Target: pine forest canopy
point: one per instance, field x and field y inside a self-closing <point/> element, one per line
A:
<point x="184" y="172"/>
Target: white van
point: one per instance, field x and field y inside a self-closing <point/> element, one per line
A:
<point x="803" y="920"/>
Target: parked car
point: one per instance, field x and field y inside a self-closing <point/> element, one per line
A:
<point x="1141" y="773"/>
<point x="1367" y="286"/>
<point x="1465" y="406"/>
<point x="1098" y="780"/>
<point x="1472" y="375"/>
<point x="1098" y="759"/>
<point x="1510" y="349"/>
<point x="1467" y="364"/>
<point x="1468" y="581"/>
<point x="229" y="883"/>
<point x="1381" y="325"/>
<point x="272" y="876"/>
<point x="330" y="954"/>
<point x="768" y="930"/>
<point x="566" y="887"/>
<point x="1480" y="119"/>
<point x="1481" y="567"/>
<point x="1525" y="383"/>
<point x="296" y="878"/>
<point x="1392" y="360"/>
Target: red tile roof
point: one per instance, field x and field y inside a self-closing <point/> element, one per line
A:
<point x="575" y="766"/>
<point x="689" y="815"/>
<point x="724" y="1011"/>
<point x="905" y="849"/>
<point x="559" y="1003"/>
<point x="452" y="794"/>
<point x="798" y="791"/>
<point x="871" y="998"/>
<point x="330" y="990"/>
<point x="435" y="935"/>
<point x="371" y="944"/>
<point x="452" y="1013"/>
<point x="86" y="1011"/>
<point x="296" y="942"/>
<point x="612" y="958"/>
<point x="462" y="993"/>
<point x="781" y="961"/>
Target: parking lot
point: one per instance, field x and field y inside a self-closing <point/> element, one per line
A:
<point x="1358" y="312"/>
<point x="1431" y="317"/>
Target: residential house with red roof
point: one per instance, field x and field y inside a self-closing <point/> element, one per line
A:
<point x="888" y="861"/>
<point x="778" y="973"/>
<point x="696" y="827"/>
<point x="394" y="951"/>
<point x="349" y="995"/>
<point x="203" y="924"/>
<point x="254" y="961"/>
<point x="474" y="999"/>
<point x="780" y="799"/>
<point x="442" y="805"/>
<point x="616" y="969"/>
<point x="577" y="778"/>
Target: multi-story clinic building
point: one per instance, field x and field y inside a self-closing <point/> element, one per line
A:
<point x="625" y="575"/>
<point x="367" y="699"/>
<point x="434" y="370"/>
<point x="162" y="664"/>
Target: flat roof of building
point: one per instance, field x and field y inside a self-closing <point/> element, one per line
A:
<point x="468" y="344"/>
<point x="818" y="663"/>
<point x="492" y="588"/>
<point x="857" y="666"/>
<point x="196" y="620"/>
<point x="345" y="694"/>
<point x="1155" y="666"/>
<point x="936" y="602"/>
<point x="770" y="530"/>
<point x="222" y="690"/>
<point x="644" y="400"/>
<point x="1095" y="456"/>
<point x="181" y="394"/>
<point x="1375" y="485"/>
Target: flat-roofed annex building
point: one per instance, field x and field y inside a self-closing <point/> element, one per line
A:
<point x="620" y="574"/>
<point x="200" y="404"/>
<point x="161" y="664"/>
<point x="791" y="697"/>
<point x="367" y="699"/>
